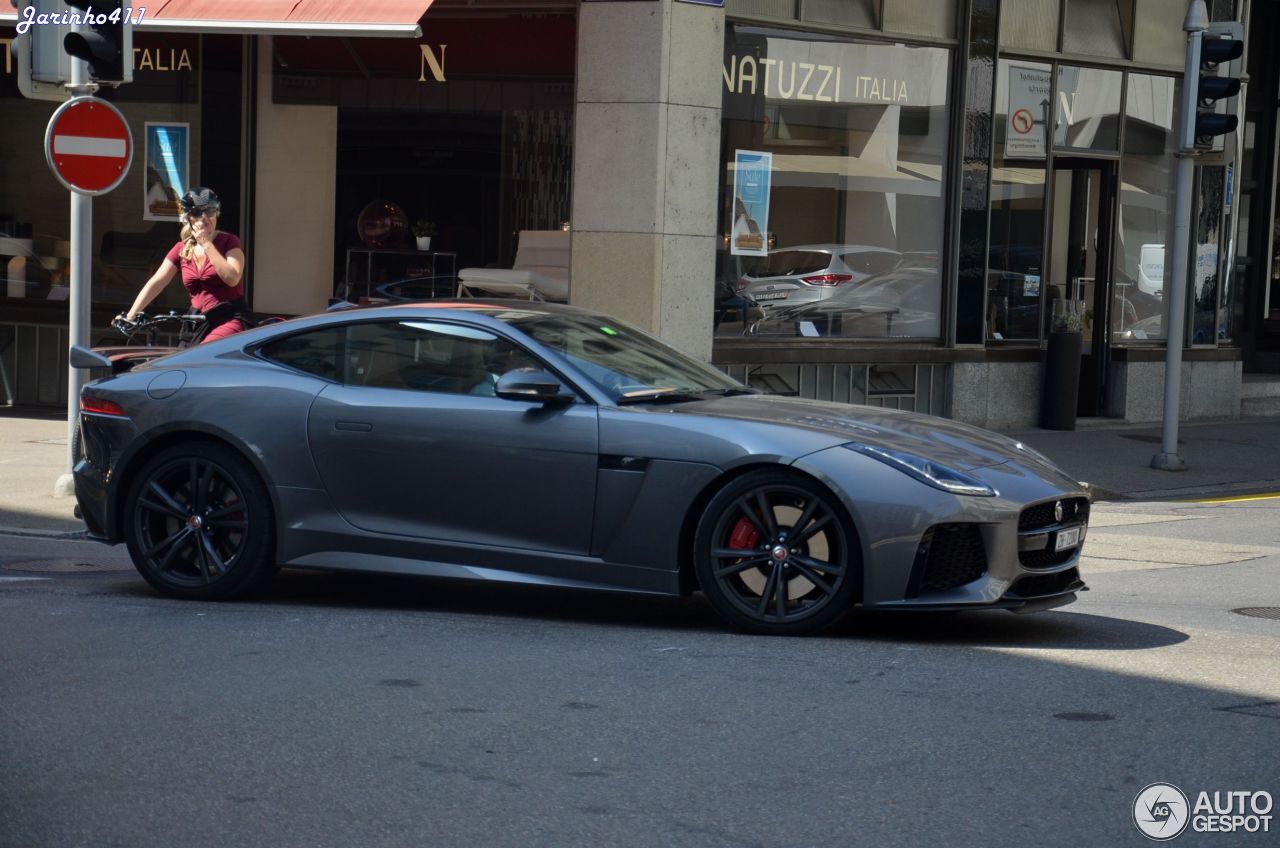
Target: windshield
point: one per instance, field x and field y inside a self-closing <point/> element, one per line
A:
<point x="621" y="360"/>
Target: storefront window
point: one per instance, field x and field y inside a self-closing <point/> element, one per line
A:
<point x="136" y="223"/>
<point x="1088" y="109"/>
<point x="1015" y="262"/>
<point x="1146" y="209"/>
<point x="468" y="130"/>
<point x="1210" y="295"/>
<point x="833" y="200"/>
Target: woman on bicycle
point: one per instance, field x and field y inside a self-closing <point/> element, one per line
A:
<point x="212" y="264"/>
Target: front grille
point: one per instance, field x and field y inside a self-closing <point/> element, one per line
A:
<point x="950" y="555"/>
<point x="1042" y="585"/>
<point x="1039" y="521"/>
<point x="1040" y="516"/>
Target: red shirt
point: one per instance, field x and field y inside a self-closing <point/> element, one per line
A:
<point x="200" y="277"/>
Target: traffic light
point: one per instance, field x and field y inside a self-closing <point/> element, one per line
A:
<point x="107" y="41"/>
<point x="1216" y="111"/>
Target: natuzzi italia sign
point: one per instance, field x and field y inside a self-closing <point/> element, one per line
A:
<point x="831" y="72"/>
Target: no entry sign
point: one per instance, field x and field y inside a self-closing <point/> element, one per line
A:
<point x="88" y="145"/>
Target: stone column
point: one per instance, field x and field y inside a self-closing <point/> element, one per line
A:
<point x="646" y="161"/>
<point x="295" y="197"/>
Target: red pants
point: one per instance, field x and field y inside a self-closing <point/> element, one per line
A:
<point x="235" y="325"/>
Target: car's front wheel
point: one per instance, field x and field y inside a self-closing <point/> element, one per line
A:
<point x="199" y="523"/>
<point x="775" y="552"/>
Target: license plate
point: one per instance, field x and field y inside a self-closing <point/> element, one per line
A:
<point x="771" y="295"/>
<point x="1068" y="538"/>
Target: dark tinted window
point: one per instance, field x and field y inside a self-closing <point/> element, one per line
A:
<point x="430" y="357"/>
<point x="403" y="355"/>
<point x="317" y="352"/>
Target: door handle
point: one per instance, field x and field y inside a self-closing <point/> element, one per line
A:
<point x="353" y="426"/>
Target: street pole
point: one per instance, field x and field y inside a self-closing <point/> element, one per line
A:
<point x="81" y="261"/>
<point x="1168" y="459"/>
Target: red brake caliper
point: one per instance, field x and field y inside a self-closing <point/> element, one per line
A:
<point x="744" y="535"/>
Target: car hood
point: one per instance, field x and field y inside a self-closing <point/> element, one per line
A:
<point x="959" y="446"/>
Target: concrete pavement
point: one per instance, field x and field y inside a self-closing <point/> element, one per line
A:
<point x="33" y="455"/>
<point x="1224" y="458"/>
<point x="1231" y="457"/>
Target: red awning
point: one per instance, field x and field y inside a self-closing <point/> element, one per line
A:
<point x="287" y="17"/>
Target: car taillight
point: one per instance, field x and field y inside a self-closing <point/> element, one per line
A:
<point x="98" y="406"/>
<point x="828" y="279"/>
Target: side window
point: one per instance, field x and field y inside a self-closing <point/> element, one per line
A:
<point x="430" y="357"/>
<point x="317" y="352"/>
<point x="871" y="261"/>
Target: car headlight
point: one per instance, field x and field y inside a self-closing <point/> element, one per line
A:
<point x="926" y="471"/>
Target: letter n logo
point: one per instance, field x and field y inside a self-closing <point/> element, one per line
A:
<point x="429" y="60"/>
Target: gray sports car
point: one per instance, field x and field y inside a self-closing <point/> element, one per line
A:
<point x="536" y="443"/>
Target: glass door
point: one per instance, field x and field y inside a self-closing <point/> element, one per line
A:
<point x="1082" y="214"/>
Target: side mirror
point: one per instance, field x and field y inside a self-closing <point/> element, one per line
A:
<point x="82" y="357"/>
<point x="530" y="384"/>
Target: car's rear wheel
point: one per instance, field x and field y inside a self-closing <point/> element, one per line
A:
<point x="199" y="523"/>
<point x="775" y="552"/>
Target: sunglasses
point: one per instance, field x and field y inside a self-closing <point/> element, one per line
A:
<point x="201" y="211"/>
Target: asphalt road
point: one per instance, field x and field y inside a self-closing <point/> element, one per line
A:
<point x="362" y="711"/>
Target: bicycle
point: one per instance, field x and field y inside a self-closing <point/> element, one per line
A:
<point x="192" y="328"/>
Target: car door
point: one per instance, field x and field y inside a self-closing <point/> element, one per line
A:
<point x="414" y="442"/>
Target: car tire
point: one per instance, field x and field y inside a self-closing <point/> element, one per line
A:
<point x="199" y="523"/>
<point x="775" y="552"/>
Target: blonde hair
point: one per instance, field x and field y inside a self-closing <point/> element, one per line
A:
<point x="188" y="241"/>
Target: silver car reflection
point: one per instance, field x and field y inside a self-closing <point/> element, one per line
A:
<point x="533" y="443"/>
<point x="902" y="303"/>
<point x="793" y="276"/>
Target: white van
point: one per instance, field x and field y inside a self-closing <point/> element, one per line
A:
<point x="1151" y="269"/>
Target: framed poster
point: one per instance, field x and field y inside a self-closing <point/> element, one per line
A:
<point x="752" y="173"/>
<point x="167" y="172"/>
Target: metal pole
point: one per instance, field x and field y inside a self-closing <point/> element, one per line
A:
<point x="78" y="319"/>
<point x="1168" y="459"/>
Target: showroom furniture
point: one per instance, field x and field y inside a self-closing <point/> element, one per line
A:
<point x="540" y="270"/>
<point x="370" y="269"/>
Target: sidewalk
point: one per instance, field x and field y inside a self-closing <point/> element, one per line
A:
<point x="33" y="455"/>
<point x="1223" y="458"/>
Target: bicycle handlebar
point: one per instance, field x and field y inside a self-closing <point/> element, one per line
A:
<point x="142" y="322"/>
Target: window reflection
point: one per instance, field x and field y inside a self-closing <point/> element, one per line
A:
<point x="1145" y="210"/>
<point x="1087" y="109"/>
<point x="852" y="140"/>
<point x="1017" y="201"/>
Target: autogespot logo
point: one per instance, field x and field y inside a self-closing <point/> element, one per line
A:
<point x="1160" y="811"/>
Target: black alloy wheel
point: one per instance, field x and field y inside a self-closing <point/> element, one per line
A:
<point x="775" y="553"/>
<point x="199" y="523"/>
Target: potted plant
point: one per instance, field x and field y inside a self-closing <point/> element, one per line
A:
<point x="1068" y="316"/>
<point x="423" y="230"/>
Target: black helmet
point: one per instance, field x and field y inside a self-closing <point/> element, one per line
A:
<point x="200" y="201"/>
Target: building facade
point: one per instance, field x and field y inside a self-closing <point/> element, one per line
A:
<point x="914" y="193"/>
